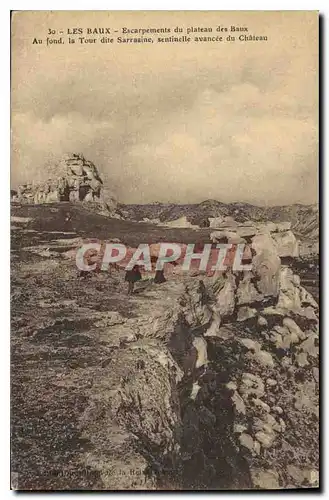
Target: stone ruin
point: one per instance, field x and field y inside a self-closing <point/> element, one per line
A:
<point x="76" y="179"/>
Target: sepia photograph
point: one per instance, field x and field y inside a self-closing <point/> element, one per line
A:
<point x="164" y="223"/>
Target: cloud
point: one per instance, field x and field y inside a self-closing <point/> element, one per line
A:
<point x="37" y="144"/>
<point x="178" y="124"/>
<point x="235" y="145"/>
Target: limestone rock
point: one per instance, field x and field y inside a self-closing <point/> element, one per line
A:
<point x="262" y="322"/>
<point x="181" y="222"/>
<point x="225" y="300"/>
<point x="229" y="221"/>
<point x="251" y="385"/>
<point x="264" y="407"/>
<point x="271" y="382"/>
<point x="73" y="179"/>
<point x="196" y="309"/>
<point x="245" y="313"/>
<point x="247" y="292"/>
<point x="267" y="227"/>
<point x="238" y="428"/>
<point x="282" y="226"/>
<point x="301" y="359"/>
<point x="232" y="385"/>
<point x="263" y="242"/>
<point x="315" y="372"/>
<point x="265" y="439"/>
<point x="213" y="330"/>
<point x="226" y="236"/>
<point x="266" y="267"/>
<point x="263" y="358"/>
<point x="250" y="344"/>
<point x="276" y="339"/>
<point x="309" y="347"/>
<point x="265" y="479"/>
<point x="247" y="441"/>
<point x="265" y="424"/>
<point x="195" y="390"/>
<point x="286" y="244"/>
<point x="257" y="448"/>
<point x="238" y="402"/>
<point x="289" y="295"/>
<point x="306" y="299"/>
<point x="294" y="328"/>
<point x="215" y="222"/>
<point x="247" y="231"/>
<point x="201" y="346"/>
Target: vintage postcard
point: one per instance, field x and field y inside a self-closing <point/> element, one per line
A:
<point x="164" y="250"/>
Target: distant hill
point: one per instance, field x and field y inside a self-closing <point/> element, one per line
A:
<point x="304" y="218"/>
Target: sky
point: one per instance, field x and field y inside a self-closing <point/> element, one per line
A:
<point x="172" y="122"/>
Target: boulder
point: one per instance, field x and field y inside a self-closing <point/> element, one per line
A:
<point x="265" y="479"/>
<point x="225" y="301"/>
<point x="266" y="267"/>
<point x="262" y="322"/>
<point x="245" y="313"/>
<point x="251" y="345"/>
<point x="286" y="244"/>
<point x="194" y="304"/>
<point x="226" y="236"/>
<point x="246" y="231"/>
<point x="229" y="222"/>
<point x="247" y="441"/>
<point x="264" y="358"/>
<point x="222" y="222"/>
<point x="213" y="330"/>
<point x="74" y="179"/>
<point x="267" y="227"/>
<point x="282" y="226"/>
<point x="265" y="439"/>
<point x="294" y="328"/>
<point x="181" y="222"/>
<point x="289" y="296"/>
<point x="215" y="222"/>
<point x="306" y="299"/>
<point x="263" y="242"/>
<point x="201" y="347"/>
<point x="251" y="385"/>
<point x="247" y="292"/>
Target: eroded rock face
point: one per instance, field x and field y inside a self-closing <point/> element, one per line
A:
<point x="212" y="386"/>
<point x="270" y="364"/>
<point x="266" y="268"/>
<point x="274" y="237"/>
<point x="286" y="244"/>
<point x="77" y="179"/>
<point x="272" y="367"/>
<point x="222" y="390"/>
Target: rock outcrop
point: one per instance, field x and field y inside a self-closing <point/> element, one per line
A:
<point x="221" y="390"/>
<point x="181" y="222"/>
<point x="304" y="219"/>
<point x="276" y="237"/>
<point x="191" y="384"/>
<point x="76" y="179"/>
<point x="256" y="409"/>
